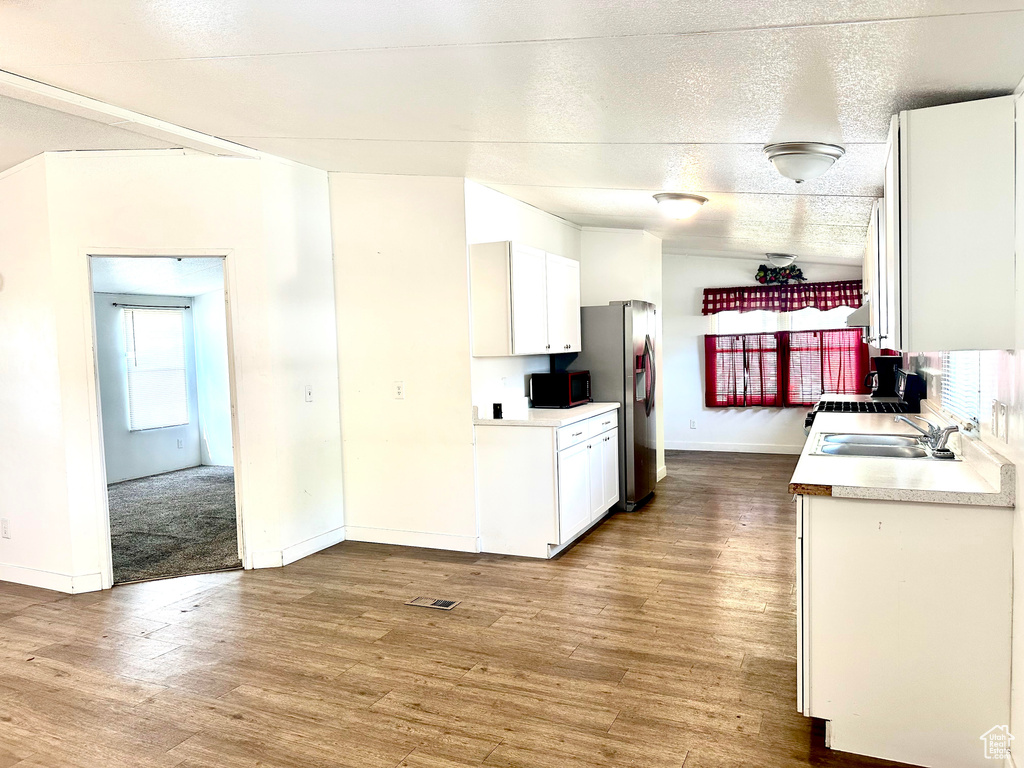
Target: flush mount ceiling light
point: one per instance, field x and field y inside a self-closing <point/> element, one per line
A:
<point x="781" y="259"/>
<point x="679" y="205"/>
<point x="803" y="160"/>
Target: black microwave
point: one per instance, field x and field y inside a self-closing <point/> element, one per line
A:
<point x="560" y="390"/>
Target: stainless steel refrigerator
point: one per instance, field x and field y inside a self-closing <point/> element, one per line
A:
<point x="618" y="350"/>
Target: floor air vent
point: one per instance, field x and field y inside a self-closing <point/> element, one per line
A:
<point x="430" y="602"/>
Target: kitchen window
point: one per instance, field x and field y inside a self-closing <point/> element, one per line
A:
<point x="961" y="384"/>
<point x="783" y="369"/>
<point x="154" y="342"/>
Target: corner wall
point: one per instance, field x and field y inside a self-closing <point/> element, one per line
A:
<point x="33" y="473"/>
<point x="402" y="282"/>
<point x="214" y="384"/>
<point x="271" y="218"/>
<point x="755" y="430"/>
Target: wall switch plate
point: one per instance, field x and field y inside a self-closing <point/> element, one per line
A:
<point x="693" y="424"/>
<point x="181" y="443"/>
<point x="309" y="393"/>
<point x="5" y="528"/>
<point x="993" y="425"/>
<point x="1004" y="422"/>
<point x="399" y="390"/>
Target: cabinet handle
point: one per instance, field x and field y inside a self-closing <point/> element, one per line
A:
<point x="605" y="423"/>
<point x="576" y="434"/>
<point x="547" y="346"/>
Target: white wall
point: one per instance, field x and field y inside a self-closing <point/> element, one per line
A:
<point x="762" y="430"/>
<point x="402" y="277"/>
<point x="491" y="217"/>
<point x="130" y="454"/>
<point x="213" y="381"/>
<point x="33" y="472"/>
<point x="271" y="219"/>
<point x="623" y="264"/>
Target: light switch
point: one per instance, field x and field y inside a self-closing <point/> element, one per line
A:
<point x="399" y="390"/>
<point x="309" y="393"/>
<point x="5" y="528"/>
<point x="181" y="443"/>
<point x="1004" y="422"/>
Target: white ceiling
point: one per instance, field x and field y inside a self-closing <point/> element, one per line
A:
<point x="27" y="129"/>
<point x="581" y="108"/>
<point x="157" y="276"/>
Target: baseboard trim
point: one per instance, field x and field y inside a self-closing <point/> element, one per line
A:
<point x="662" y="473"/>
<point x="312" y="546"/>
<point x="735" y="447"/>
<point x="413" y="538"/>
<point x="268" y="559"/>
<point x="56" y="582"/>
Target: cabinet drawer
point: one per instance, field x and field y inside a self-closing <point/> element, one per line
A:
<point x="604" y="422"/>
<point x="574" y="433"/>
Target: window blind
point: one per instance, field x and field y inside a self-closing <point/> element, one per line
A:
<point x="961" y="384"/>
<point x="154" y="342"/>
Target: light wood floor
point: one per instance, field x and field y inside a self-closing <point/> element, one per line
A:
<point x="664" y="639"/>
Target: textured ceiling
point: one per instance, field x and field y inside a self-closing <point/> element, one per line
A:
<point x="26" y="130"/>
<point x="157" y="276"/>
<point x="581" y="108"/>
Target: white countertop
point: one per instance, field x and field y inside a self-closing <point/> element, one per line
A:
<point x="549" y="417"/>
<point x="981" y="477"/>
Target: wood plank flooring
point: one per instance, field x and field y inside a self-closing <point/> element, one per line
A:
<point x="665" y="639"/>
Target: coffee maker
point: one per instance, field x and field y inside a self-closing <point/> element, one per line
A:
<point x="882" y="380"/>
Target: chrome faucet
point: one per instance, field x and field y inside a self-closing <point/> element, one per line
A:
<point x="936" y="437"/>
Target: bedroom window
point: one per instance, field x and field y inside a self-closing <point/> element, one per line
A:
<point x="154" y="342"/>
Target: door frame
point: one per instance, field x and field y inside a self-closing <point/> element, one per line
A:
<point x="100" y="466"/>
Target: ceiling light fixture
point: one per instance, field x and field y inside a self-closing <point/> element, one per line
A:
<point x="803" y="160"/>
<point x="679" y="205"/>
<point x="781" y="259"/>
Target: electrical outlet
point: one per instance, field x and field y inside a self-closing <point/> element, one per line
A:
<point x="693" y="424"/>
<point x="181" y="443"/>
<point x="5" y="528"/>
<point x="309" y="393"/>
<point x="993" y="424"/>
<point x="399" y="390"/>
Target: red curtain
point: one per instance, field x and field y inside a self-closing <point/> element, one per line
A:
<point x="742" y="370"/>
<point x="784" y="298"/>
<point x="783" y="369"/>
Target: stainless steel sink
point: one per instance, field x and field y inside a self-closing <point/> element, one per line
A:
<point x="888" y="451"/>
<point x="874" y="439"/>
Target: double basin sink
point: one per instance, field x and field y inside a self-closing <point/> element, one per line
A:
<point x="883" y="446"/>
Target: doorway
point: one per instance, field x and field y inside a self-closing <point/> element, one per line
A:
<point x="165" y="409"/>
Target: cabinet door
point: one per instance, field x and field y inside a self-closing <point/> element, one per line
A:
<point x="529" y="300"/>
<point x="889" y="268"/>
<point x="609" y="467"/>
<point x="573" y="490"/>
<point x="595" y="461"/>
<point x="563" y="301"/>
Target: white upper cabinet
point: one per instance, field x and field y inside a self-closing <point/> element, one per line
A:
<point x="524" y="301"/>
<point x="563" y="302"/>
<point x="949" y="228"/>
<point x="529" y="300"/>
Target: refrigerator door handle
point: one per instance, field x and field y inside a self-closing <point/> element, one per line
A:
<point x="652" y="379"/>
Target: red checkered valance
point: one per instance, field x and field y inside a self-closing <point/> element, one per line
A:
<point x="784" y="298"/>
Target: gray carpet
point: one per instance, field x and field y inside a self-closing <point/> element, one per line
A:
<point x="173" y="524"/>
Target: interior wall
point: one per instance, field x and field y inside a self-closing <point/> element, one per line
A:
<point x="758" y="430"/>
<point x="623" y="264"/>
<point x="33" y="471"/>
<point x="493" y="216"/>
<point x="212" y="377"/>
<point x="147" y="452"/>
<point x="402" y="277"/>
<point x="271" y="218"/>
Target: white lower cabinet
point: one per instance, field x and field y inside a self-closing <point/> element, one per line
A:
<point x="538" y="488"/>
<point x="573" y="490"/>
<point x="903" y="626"/>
